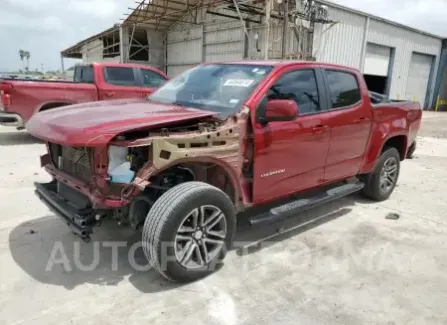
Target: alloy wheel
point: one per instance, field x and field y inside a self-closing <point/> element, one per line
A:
<point x="388" y="175"/>
<point x="200" y="237"/>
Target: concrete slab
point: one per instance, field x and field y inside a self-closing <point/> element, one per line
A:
<point x="344" y="263"/>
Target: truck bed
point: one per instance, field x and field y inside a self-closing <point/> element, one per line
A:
<point x="406" y="114"/>
<point x="37" y="80"/>
<point x="29" y="96"/>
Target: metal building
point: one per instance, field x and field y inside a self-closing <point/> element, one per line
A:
<point x="143" y="45"/>
<point x="177" y="34"/>
<point x="395" y="59"/>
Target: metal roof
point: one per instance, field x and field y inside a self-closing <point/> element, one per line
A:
<point x="75" y="51"/>
<point x="162" y="14"/>
<point x="159" y="14"/>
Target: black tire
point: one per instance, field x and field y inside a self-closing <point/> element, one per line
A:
<point x="372" y="189"/>
<point x="164" y="219"/>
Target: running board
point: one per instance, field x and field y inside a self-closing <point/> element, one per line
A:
<point x="290" y="209"/>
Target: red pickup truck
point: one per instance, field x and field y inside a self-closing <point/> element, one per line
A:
<point x="21" y="99"/>
<point x="215" y="141"/>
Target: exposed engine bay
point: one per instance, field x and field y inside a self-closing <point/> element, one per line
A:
<point x="218" y="153"/>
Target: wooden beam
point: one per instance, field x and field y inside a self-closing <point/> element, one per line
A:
<point x="140" y="24"/>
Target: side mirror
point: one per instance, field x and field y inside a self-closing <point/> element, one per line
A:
<point x="280" y="110"/>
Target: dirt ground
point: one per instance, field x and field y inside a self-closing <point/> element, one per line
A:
<point x="344" y="263"/>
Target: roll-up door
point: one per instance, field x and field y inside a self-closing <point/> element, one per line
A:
<point x="418" y="77"/>
<point x="377" y="60"/>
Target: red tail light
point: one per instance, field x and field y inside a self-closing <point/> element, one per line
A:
<point x="5" y="87"/>
<point x="5" y="98"/>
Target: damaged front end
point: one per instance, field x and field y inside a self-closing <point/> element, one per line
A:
<point x="124" y="179"/>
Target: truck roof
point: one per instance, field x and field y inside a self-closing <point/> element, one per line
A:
<point x="284" y="63"/>
<point x="119" y="65"/>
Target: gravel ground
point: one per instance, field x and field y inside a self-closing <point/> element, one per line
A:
<point x="344" y="263"/>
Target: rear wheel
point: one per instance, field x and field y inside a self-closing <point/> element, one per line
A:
<point x="380" y="183"/>
<point x="188" y="231"/>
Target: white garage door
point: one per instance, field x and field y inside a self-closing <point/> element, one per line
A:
<point x="377" y="60"/>
<point x="418" y="77"/>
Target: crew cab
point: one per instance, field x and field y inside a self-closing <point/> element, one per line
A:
<point x="220" y="139"/>
<point x="21" y="99"/>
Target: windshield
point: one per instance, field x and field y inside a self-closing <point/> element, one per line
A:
<point x="222" y="88"/>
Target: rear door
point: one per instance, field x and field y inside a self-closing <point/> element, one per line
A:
<point x="120" y="82"/>
<point x="150" y="80"/>
<point x="291" y="155"/>
<point x="350" y="123"/>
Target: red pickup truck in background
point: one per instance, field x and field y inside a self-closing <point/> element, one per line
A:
<point x="217" y="140"/>
<point x="21" y="99"/>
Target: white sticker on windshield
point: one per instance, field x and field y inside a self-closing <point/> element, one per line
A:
<point x="234" y="101"/>
<point x="238" y="82"/>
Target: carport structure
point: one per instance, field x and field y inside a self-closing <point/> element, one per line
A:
<point x="196" y="31"/>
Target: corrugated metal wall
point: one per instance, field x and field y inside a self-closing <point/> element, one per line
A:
<point x="295" y="48"/>
<point x="184" y="49"/>
<point x="257" y="51"/>
<point x="345" y="43"/>
<point x="218" y="39"/>
<point x="223" y="41"/>
<point x="341" y="43"/>
<point x="156" y="41"/>
<point x="92" y="52"/>
<point x="405" y="43"/>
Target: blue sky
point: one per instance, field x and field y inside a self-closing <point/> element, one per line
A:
<point x="45" y="27"/>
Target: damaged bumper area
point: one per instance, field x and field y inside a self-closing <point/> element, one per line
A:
<point x="73" y="202"/>
<point x="81" y="219"/>
<point x="96" y="199"/>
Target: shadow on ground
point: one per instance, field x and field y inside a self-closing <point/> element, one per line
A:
<point x="15" y="138"/>
<point x="47" y="250"/>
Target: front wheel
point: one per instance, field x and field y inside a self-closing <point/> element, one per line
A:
<point x="188" y="231"/>
<point x="380" y="183"/>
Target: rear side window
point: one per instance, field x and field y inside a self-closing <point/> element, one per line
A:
<point x="152" y="79"/>
<point x="300" y="86"/>
<point x="83" y="74"/>
<point x="120" y="76"/>
<point x="345" y="91"/>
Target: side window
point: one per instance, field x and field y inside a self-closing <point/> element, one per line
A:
<point x="87" y="74"/>
<point x="120" y="76"/>
<point x="344" y="89"/>
<point x="151" y="78"/>
<point x="300" y="86"/>
<point x="83" y="74"/>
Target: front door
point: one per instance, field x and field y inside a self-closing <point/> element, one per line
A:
<point x="350" y="125"/>
<point x="120" y="82"/>
<point x="291" y="156"/>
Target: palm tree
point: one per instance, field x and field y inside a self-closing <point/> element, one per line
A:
<point x="22" y="56"/>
